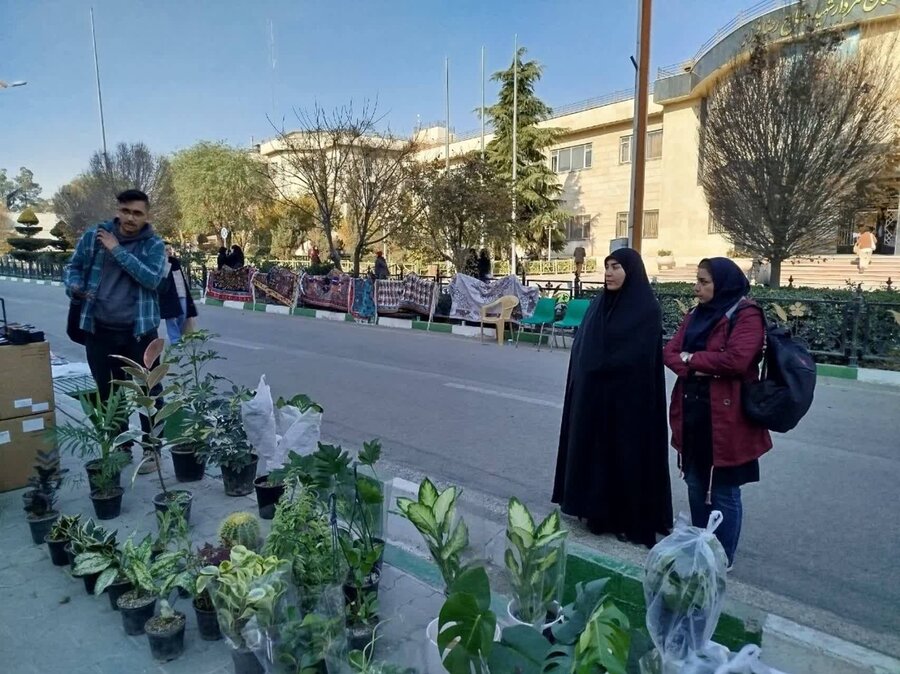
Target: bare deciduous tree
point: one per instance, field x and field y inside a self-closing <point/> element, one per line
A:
<point x="789" y="138"/>
<point x="315" y="160"/>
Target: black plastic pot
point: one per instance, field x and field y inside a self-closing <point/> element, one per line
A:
<point x="134" y="618"/>
<point x="359" y="635"/>
<point x="166" y="640"/>
<point x="267" y="496"/>
<point x="208" y="624"/>
<point x="107" y="506"/>
<point x="41" y="526"/>
<point x="92" y="468"/>
<point x="379" y="563"/>
<point x="350" y="591"/>
<point x="115" y="591"/>
<point x="57" y="551"/>
<point x="70" y="555"/>
<point x="161" y="503"/>
<point x="240" y="482"/>
<point x="245" y="662"/>
<point x="188" y="468"/>
<point x="90" y="581"/>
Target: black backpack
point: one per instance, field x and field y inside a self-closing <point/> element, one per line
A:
<point x="784" y="393"/>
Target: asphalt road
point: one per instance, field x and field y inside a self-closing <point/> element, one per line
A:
<point x="820" y="542"/>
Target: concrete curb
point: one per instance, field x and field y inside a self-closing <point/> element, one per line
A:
<point x="37" y="282"/>
<point x="786" y="645"/>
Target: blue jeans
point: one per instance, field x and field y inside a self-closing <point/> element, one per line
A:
<point x="174" y="326"/>
<point x="725" y="499"/>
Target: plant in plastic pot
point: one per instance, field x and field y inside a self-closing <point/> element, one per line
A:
<point x="244" y="587"/>
<point x="228" y="446"/>
<point x="165" y="632"/>
<point x="59" y="537"/>
<point x="103" y="439"/>
<point x="156" y="403"/>
<point x="207" y="620"/>
<point x="361" y="588"/>
<point x="106" y="494"/>
<point x="240" y="528"/>
<point x="40" y="499"/>
<point x="190" y="359"/>
<point x="172" y="530"/>
<point x="535" y="560"/>
<point x="138" y="605"/>
<point x="97" y="556"/>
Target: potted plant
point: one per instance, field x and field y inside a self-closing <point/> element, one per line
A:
<point x="165" y="632"/>
<point x="59" y="537"/>
<point x="243" y="587"/>
<point x="101" y="440"/>
<point x="147" y="577"/>
<point x="535" y="560"/>
<point x="665" y="259"/>
<point x="96" y="554"/>
<point x="311" y="643"/>
<point x="270" y="487"/>
<point x="240" y="528"/>
<point x="433" y="514"/>
<point x="199" y="389"/>
<point x="302" y="535"/>
<point x="228" y="446"/>
<point x="207" y="620"/>
<point x="144" y="387"/>
<point x="40" y="499"/>
<point x="172" y="532"/>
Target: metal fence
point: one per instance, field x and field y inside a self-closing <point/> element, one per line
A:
<point x="37" y="269"/>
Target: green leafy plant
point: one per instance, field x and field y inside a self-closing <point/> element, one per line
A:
<point x="245" y="586"/>
<point x="302" y="535"/>
<point x="302" y="402"/>
<point x="535" y="559"/>
<point x="466" y="625"/>
<point x="63" y="528"/>
<point x="240" y="528"/>
<point x="144" y="380"/>
<point x="434" y="516"/>
<point x="226" y="440"/>
<point x="96" y="551"/>
<point x="172" y="530"/>
<point x="43" y="485"/>
<point x="102" y="434"/>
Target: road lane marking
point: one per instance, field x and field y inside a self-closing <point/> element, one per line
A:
<point x="502" y="394"/>
<point x="238" y="344"/>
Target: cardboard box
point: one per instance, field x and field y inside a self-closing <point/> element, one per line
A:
<point x="20" y="441"/>
<point x="26" y="380"/>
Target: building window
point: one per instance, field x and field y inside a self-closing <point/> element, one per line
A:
<point x="651" y="224"/>
<point x="621" y="225"/>
<point x="573" y="158"/>
<point x="653" y="149"/>
<point x="578" y="228"/>
<point x="714" y="226"/>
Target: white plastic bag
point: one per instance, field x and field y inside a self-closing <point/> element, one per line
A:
<point x="258" y="416"/>
<point x="745" y="662"/>
<point x="298" y="432"/>
<point x="684" y="589"/>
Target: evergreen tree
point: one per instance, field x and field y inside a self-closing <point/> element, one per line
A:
<point x="25" y="247"/>
<point x="538" y="203"/>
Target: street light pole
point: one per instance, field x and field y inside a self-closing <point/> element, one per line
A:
<point x="10" y="85"/>
<point x="99" y="93"/>
<point x="515" y="129"/>
<point x="639" y="128"/>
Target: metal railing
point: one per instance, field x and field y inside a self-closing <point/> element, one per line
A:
<point x="36" y="269"/>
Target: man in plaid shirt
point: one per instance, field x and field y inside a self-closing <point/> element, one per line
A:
<point x="116" y="270"/>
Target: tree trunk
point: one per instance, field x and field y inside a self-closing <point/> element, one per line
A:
<point x="775" y="273"/>
<point x="357" y="259"/>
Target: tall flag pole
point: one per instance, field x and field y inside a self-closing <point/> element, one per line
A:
<point x="99" y="93"/>
<point x="447" y="96"/>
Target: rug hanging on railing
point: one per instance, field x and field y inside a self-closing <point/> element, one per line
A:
<point x="469" y="295"/>
<point x="362" y="306"/>
<point x="279" y="285"/>
<point x="326" y="292"/>
<point x="230" y="284"/>
<point x="413" y="293"/>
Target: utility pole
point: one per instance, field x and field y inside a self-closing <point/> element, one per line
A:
<point x="447" y="96"/>
<point x="99" y="93"/>
<point x="639" y="128"/>
<point x="515" y="129"/>
<point x="482" y="103"/>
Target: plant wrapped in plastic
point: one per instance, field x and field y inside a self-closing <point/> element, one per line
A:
<point x="684" y="589"/>
<point x="536" y="562"/>
<point x="314" y="642"/>
<point x="244" y="586"/>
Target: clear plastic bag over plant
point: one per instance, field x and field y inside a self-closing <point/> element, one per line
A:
<point x="684" y="589"/>
<point x="745" y="662"/>
<point x="258" y="416"/>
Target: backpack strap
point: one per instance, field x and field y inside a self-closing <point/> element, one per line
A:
<point x="732" y="319"/>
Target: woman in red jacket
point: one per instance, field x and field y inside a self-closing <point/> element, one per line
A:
<point x="717" y="348"/>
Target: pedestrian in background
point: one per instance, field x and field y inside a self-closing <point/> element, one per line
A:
<point x="176" y="305"/>
<point x="612" y="466"/>
<point x="717" y="348"/>
<point x="222" y="257"/>
<point x="235" y="258"/>
<point x="865" y="246"/>
<point x="381" y="266"/>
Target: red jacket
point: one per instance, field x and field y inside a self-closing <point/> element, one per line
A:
<point x="731" y="360"/>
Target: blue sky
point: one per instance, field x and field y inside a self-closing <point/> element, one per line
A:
<point x="175" y="72"/>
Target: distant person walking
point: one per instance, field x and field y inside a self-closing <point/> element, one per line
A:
<point x="381" y="266"/>
<point x="612" y="466"/>
<point x="176" y="305"/>
<point x="222" y="257"/>
<point x="717" y="348"/>
<point x="115" y="270"/>
<point x="314" y="258"/>
<point x="865" y="246"/>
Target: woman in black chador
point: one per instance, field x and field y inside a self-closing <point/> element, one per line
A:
<point x="612" y="468"/>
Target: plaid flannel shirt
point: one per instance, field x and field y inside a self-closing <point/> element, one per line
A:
<point x="147" y="267"/>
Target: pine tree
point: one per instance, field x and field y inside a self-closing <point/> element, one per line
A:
<point x="538" y="203"/>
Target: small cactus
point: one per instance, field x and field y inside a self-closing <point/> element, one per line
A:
<point x="240" y="528"/>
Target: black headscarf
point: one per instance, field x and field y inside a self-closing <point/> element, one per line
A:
<point x="608" y="336"/>
<point x="729" y="286"/>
